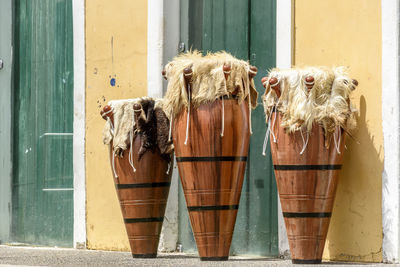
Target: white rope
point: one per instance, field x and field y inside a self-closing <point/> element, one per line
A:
<point x="105" y="113"/>
<point x="248" y="90"/>
<point x="170" y="126"/>
<point x="113" y="162"/>
<point x="273" y="125"/>
<point x="223" y="118"/>
<point x="223" y="106"/>
<point x="111" y="149"/>
<point x="337" y="143"/>
<point x="275" y="109"/>
<point x="275" y="84"/>
<point x="251" y="72"/>
<point x="130" y="150"/>
<point x="308" y="83"/>
<point x="267" y="135"/>
<point x="111" y="126"/>
<point x="305" y="142"/>
<point x="188" y="116"/>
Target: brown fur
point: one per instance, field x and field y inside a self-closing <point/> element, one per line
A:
<point x="154" y="129"/>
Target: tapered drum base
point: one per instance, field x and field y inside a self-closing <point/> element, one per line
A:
<point x="213" y="258"/>
<point x="212" y="168"/>
<point x="144" y="256"/>
<point x="307" y="185"/>
<point x="294" y="261"/>
<point x="143" y="197"/>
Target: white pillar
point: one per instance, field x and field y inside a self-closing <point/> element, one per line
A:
<point x="284" y="54"/>
<point x="79" y="124"/>
<point x="162" y="42"/>
<point x="155" y="45"/>
<point x="391" y="125"/>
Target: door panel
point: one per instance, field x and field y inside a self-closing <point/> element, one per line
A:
<point x="5" y="117"/>
<point x="225" y="27"/>
<point x="246" y="29"/>
<point x="262" y="222"/>
<point x="43" y="114"/>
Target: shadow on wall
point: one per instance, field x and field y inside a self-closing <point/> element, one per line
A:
<point x="357" y="216"/>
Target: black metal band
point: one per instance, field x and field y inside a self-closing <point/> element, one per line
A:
<point x="222" y="158"/>
<point x="307" y="214"/>
<point x="144" y="185"/>
<point x="205" y="208"/>
<point x="306" y="167"/>
<point x="141" y="220"/>
<point x="297" y="261"/>
<point x="144" y="255"/>
<point x="214" y="258"/>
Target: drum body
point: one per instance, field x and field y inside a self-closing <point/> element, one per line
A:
<point x="143" y="197"/>
<point x="211" y="169"/>
<point x="307" y="185"/>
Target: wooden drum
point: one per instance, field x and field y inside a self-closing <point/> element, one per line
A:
<point x="307" y="111"/>
<point x="211" y="132"/>
<point x="307" y="186"/>
<point x="142" y="194"/>
<point x="212" y="170"/>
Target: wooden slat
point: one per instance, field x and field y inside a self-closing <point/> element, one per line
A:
<point x="5" y="118"/>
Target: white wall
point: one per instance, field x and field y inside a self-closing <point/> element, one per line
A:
<point x="79" y="125"/>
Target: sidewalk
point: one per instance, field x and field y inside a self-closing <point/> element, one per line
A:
<point x="32" y="256"/>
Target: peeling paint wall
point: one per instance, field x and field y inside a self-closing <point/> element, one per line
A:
<point x="116" y="68"/>
<point x="340" y="32"/>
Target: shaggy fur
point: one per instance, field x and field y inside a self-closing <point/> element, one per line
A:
<point x="123" y="123"/>
<point x="208" y="80"/>
<point x="152" y="125"/>
<point x="146" y="127"/>
<point x="327" y="103"/>
<point x="164" y="145"/>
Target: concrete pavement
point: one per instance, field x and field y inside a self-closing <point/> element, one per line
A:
<point x="39" y="256"/>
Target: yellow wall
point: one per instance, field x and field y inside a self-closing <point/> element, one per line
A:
<point x="116" y="47"/>
<point x="342" y="32"/>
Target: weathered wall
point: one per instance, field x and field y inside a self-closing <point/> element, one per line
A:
<point x="116" y="48"/>
<point x="340" y="32"/>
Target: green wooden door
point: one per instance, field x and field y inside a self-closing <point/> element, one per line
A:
<point x="247" y="30"/>
<point x="42" y="202"/>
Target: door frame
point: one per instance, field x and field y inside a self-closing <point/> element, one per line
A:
<point x="163" y="24"/>
<point x="6" y="106"/>
<point x="284" y="59"/>
<point x="79" y="179"/>
<point x="391" y="124"/>
<point x="79" y="168"/>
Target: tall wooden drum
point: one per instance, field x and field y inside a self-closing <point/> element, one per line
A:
<point x="212" y="170"/>
<point x="142" y="179"/>
<point x="211" y="141"/>
<point x="307" y="185"/>
<point x="307" y="154"/>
